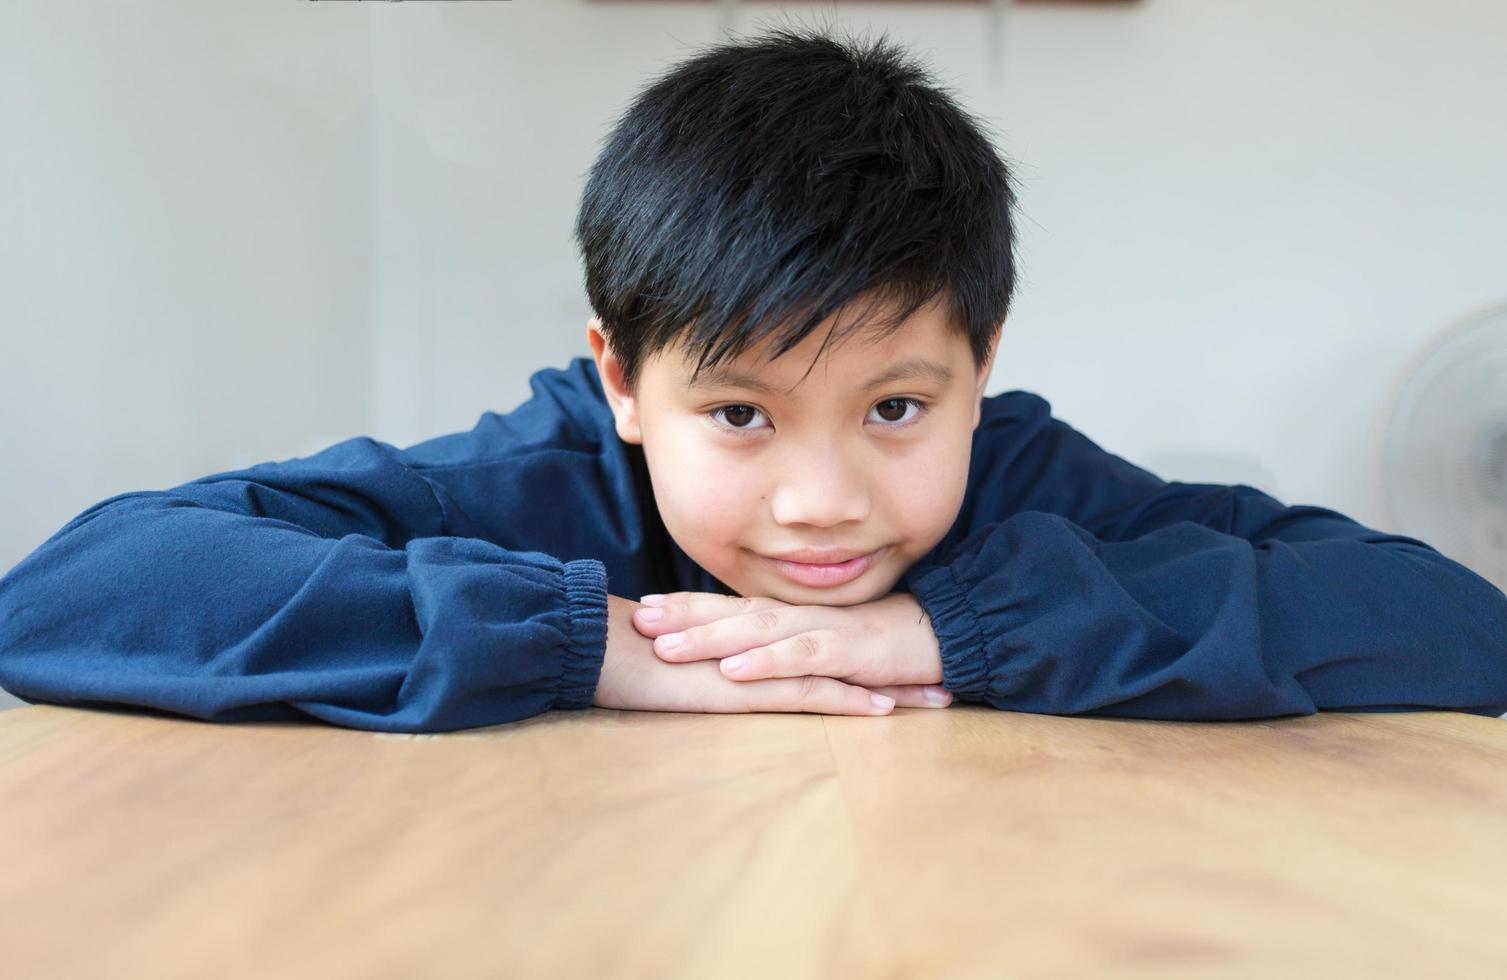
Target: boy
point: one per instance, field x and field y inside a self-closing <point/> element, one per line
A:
<point x="800" y="255"/>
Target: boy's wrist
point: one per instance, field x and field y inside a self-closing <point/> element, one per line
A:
<point x="911" y="627"/>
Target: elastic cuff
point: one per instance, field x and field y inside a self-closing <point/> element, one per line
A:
<point x="586" y="639"/>
<point x="965" y="667"/>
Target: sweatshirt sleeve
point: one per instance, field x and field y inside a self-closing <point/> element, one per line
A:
<point x="1134" y="597"/>
<point x="325" y="587"/>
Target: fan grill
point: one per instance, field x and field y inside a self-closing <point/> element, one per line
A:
<point x="1445" y="450"/>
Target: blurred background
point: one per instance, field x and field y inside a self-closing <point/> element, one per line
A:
<point x="236" y="233"/>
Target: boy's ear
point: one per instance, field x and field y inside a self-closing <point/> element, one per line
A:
<point x="624" y="405"/>
<point x="983" y="376"/>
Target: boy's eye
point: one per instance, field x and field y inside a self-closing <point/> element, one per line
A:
<point x="892" y="412"/>
<point x="739" y="417"/>
<point x="895" y="409"/>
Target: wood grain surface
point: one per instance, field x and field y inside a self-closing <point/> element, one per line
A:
<point x="961" y="843"/>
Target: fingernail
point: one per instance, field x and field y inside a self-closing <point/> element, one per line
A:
<point x="936" y="695"/>
<point x="648" y="615"/>
<point x="670" y="641"/>
<point x="651" y="600"/>
<point x="735" y="663"/>
<point x="881" y="702"/>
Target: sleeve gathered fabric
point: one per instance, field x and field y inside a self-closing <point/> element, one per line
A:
<point x="1078" y="583"/>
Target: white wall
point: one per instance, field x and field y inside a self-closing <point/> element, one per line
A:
<point x="185" y="205"/>
<point x="241" y="232"/>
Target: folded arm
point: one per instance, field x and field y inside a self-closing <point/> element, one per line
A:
<point x="329" y="587"/>
<point x="1142" y="598"/>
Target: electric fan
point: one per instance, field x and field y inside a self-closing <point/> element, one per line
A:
<point x="1444" y="448"/>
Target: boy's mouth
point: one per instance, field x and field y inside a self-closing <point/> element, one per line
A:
<point x="824" y="574"/>
<point x="821" y="556"/>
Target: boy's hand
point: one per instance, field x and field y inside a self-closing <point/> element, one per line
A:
<point x="880" y="644"/>
<point x="634" y="678"/>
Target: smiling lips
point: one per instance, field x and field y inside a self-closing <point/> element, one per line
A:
<point x="819" y="556"/>
<point x="824" y="574"/>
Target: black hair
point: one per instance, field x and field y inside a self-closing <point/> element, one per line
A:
<point x="773" y="181"/>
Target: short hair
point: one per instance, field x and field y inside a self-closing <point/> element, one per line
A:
<point x="771" y="182"/>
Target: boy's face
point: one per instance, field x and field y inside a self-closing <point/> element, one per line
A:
<point x="827" y="463"/>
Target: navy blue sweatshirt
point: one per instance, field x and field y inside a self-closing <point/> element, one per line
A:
<point x="463" y="581"/>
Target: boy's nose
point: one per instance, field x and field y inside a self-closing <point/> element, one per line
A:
<point x="820" y="500"/>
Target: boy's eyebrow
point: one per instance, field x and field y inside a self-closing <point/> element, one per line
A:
<point x="916" y="367"/>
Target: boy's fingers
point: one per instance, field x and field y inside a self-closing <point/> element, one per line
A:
<point x="917" y="695"/>
<point x="712" y="627"/>
<point x="813" y="694"/>
<point x="676" y="615"/>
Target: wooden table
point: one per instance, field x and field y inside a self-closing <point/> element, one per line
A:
<point x="962" y="843"/>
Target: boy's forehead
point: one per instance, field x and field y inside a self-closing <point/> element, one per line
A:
<point x="865" y="358"/>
